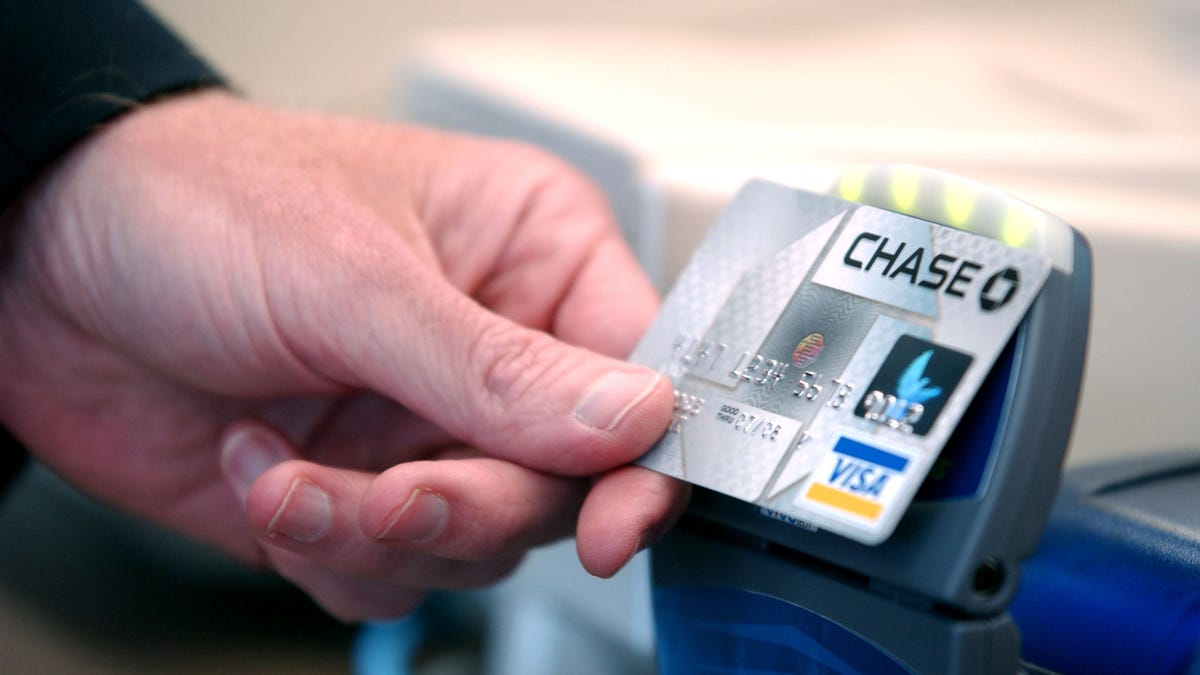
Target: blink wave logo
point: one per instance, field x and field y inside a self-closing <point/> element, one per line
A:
<point x="913" y="385"/>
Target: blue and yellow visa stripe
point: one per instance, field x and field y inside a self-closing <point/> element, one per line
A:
<point x="863" y="464"/>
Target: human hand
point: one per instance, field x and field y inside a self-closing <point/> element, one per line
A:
<point x="362" y="317"/>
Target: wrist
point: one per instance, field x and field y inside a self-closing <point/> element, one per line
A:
<point x="71" y="67"/>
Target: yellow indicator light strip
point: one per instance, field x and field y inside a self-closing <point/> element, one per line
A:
<point x="960" y="202"/>
<point x="1019" y="224"/>
<point x="906" y="182"/>
<point x="840" y="500"/>
<point x="853" y="179"/>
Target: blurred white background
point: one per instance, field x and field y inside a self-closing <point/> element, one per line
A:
<point x="1089" y="109"/>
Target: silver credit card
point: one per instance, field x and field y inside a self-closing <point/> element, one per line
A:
<point x="823" y="352"/>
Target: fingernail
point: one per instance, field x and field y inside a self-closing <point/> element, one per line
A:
<point x="305" y="514"/>
<point x="247" y="453"/>
<point x="610" y="398"/>
<point x="421" y="519"/>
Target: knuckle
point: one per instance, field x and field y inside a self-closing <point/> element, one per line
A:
<point x="549" y="181"/>
<point x="514" y="363"/>
<point x="533" y="160"/>
<point x="385" y="563"/>
<point x="490" y="537"/>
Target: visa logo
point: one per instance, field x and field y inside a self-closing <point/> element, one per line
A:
<point x="860" y="474"/>
<point x="857" y="477"/>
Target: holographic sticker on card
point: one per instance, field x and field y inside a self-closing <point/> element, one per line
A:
<point x="823" y="351"/>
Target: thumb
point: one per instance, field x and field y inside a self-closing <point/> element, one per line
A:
<point x="513" y="392"/>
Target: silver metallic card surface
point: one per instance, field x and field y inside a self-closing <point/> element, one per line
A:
<point x="823" y="352"/>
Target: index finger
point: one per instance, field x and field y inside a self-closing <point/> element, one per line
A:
<point x="627" y="510"/>
<point x="535" y="241"/>
<point x="609" y="304"/>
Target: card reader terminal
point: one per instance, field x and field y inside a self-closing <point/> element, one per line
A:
<point x="786" y="560"/>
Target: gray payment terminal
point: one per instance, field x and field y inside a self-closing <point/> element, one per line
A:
<point x="794" y="564"/>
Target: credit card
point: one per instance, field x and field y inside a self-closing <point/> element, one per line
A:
<point x="823" y="351"/>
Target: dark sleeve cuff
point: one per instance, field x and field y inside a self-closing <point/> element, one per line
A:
<point x="12" y="460"/>
<point x="67" y="66"/>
